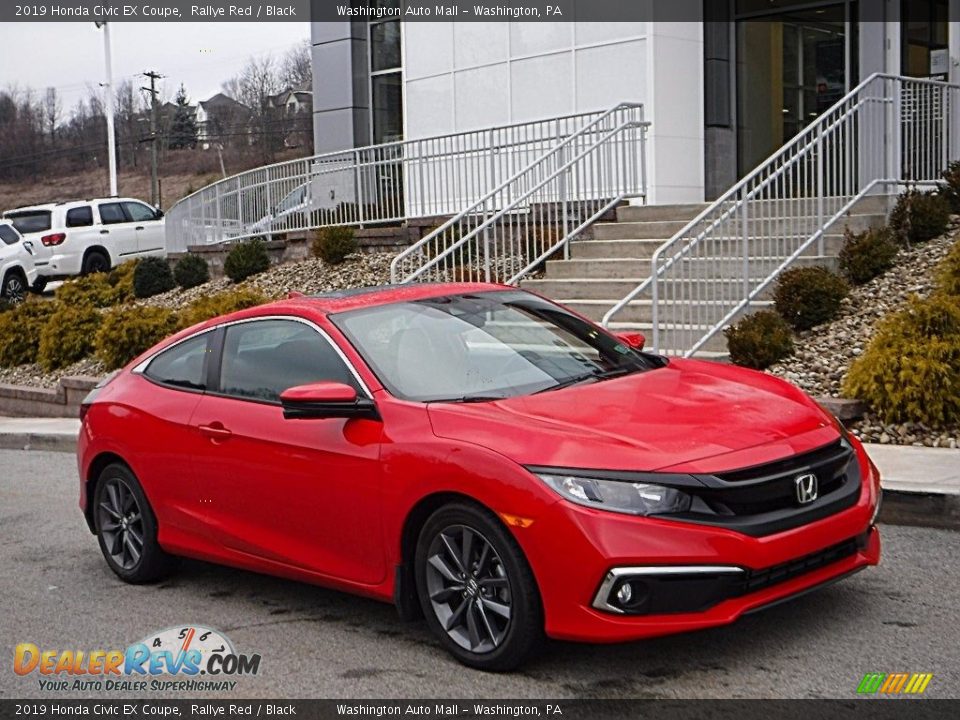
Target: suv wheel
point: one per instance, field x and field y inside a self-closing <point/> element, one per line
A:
<point x="127" y="528"/>
<point x="477" y="591"/>
<point x="14" y="288"/>
<point x="95" y="262"/>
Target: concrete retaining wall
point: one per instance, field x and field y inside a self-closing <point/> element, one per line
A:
<point x="61" y="402"/>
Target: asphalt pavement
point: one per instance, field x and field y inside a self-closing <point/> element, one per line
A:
<point x="56" y="592"/>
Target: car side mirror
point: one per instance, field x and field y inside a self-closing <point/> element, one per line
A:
<point x="158" y="214"/>
<point x="632" y="340"/>
<point x="326" y="400"/>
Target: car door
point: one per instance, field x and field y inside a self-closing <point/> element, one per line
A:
<point x="81" y="230"/>
<point x="300" y="493"/>
<point x="147" y="226"/>
<point x="116" y="232"/>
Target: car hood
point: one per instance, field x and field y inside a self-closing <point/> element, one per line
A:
<point x="690" y="416"/>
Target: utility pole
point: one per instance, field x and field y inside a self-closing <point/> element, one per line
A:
<point x="111" y="134"/>
<point x="154" y="139"/>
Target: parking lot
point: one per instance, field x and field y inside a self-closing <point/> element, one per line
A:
<point x="58" y="594"/>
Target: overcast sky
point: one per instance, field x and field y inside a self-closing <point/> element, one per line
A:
<point x="69" y="56"/>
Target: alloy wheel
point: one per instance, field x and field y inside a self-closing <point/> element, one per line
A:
<point x="14" y="290"/>
<point x="469" y="588"/>
<point x="121" y="524"/>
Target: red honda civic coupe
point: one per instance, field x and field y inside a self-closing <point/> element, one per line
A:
<point x="479" y="455"/>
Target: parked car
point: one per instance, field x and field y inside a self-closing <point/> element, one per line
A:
<point x="290" y="211"/>
<point x="86" y="236"/>
<point x="17" y="270"/>
<point x="479" y="455"/>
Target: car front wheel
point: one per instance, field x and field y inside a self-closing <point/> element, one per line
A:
<point x="127" y="528"/>
<point x="14" y="288"/>
<point x="477" y="591"/>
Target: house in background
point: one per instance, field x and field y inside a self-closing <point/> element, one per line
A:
<point x="221" y="119"/>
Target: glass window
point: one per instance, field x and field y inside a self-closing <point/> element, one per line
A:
<point x="261" y="359"/>
<point x="111" y="214"/>
<point x="484" y="345"/>
<point x="80" y="216"/>
<point x="30" y="221"/>
<point x="139" y="212"/>
<point x="387" y="107"/>
<point x="9" y="235"/>
<point x="183" y="365"/>
<point x="385" y="46"/>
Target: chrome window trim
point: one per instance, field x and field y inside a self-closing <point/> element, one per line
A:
<point x="142" y="366"/>
<point x="614" y="574"/>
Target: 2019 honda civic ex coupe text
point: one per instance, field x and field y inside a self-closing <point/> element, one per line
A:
<point x="480" y="455"/>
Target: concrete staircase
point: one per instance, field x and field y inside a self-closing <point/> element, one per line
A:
<point x="615" y="258"/>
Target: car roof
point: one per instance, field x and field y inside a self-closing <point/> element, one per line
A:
<point x="62" y="203"/>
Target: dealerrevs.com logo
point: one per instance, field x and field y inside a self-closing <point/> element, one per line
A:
<point x="181" y="659"/>
<point x="894" y="683"/>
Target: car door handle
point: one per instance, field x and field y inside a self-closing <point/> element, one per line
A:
<point x="215" y="431"/>
<point x="139" y="227"/>
<point x="104" y="232"/>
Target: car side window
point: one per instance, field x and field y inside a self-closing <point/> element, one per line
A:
<point x="111" y="214"/>
<point x="139" y="212"/>
<point x="263" y="358"/>
<point x="80" y="216"/>
<point x="184" y="365"/>
<point x="9" y="235"/>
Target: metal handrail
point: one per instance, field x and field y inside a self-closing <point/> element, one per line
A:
<point x="868" y="140"/>
<point x="509" y="231"/>
<point x="386" y="183"/>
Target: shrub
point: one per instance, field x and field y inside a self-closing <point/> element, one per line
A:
<point x="911" y="369"/>
<point x="951" y="191"/>
<point x="5" y="305"/>
<point x="246" y="259"/>
<point x="919" y="216"/>
<point x="121" y="277"/>
<point x="759" y="340"/>
<point x="191" y="270"/>
<point x="334" y="244"/>
<point x="97" y="290"/>
<point x="948" y="272"/>
<point x="152" y="276"/>
<point x="220" y="304"/>
<point x="866" y="255"/>
<point x="808" y="296"/>
<point x="127" y="332"/>
<point x="20" y="331"/>
<point x="67" y="336"/>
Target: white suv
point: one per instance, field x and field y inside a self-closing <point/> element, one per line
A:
<point x="17" y="270"/>
<point x="86" y="236"/>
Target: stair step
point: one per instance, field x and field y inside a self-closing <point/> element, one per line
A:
<point x="638" y="213"/>
<point x="723" y="269"/>
<point x="758" y="225"/>
<point x="645" y="248"/>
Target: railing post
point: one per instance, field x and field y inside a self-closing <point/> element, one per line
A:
<point x="488" y="209"/>
<point x="820" y="170"/>
<point x="358" y="181"/>
<point x="745" y="235"/>
<point x="219" y="215"/>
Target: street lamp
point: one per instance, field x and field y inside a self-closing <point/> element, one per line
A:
<point x="111" y="134"/>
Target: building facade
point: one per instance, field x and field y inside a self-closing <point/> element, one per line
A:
<point x="721" y="94"/>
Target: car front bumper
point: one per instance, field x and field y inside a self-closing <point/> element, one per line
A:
<point x="699" y="576"/>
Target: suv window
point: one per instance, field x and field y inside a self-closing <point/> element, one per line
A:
<point x="263" y="358"/>
<point x="80" y="216"/>
<point x="183" y="365"/>
<point x="111" y="214"/>
<point x="139" y="212"/>
<point x="30" y="221"/>
<point x="9" y="235"/>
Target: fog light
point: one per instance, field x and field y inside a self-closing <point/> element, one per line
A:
<point x="625" y="594"/>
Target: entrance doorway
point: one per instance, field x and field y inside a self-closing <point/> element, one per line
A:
<point x="792" y="65"/>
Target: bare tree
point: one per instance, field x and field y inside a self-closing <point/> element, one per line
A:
<point x="297" y="69"/>
<point x="51" y="113"/>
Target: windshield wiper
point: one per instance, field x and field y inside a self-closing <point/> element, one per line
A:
<point x="471" y="399"/>
<point x="596" y="375"/>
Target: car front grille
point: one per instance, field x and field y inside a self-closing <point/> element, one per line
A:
<point x="759" y="579"/>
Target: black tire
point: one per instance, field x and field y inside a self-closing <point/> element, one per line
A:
<point x="468" y="617"/>
<point x="14" y="287"/>
<point x="39" y="286"/>
<point x="119" y="543"/>
<point x="94" y="262"/>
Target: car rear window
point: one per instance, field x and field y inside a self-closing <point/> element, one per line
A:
<point x="80" y="216"/>
<point x="9" y="235"/>
<point x="30" y="221"/>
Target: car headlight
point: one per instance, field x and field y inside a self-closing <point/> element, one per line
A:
<point x="632" y="498"/>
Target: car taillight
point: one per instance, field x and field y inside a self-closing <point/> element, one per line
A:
<point x="53" y="239"/>
<point x="92" y="395"/>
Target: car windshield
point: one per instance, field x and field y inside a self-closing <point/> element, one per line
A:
<point x="484" y="346"/>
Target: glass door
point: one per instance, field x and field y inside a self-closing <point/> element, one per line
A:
<point x="791" y="66"/>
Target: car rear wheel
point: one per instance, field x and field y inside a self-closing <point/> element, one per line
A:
<point x="127" y="528"/>
<point x="14" y="288"/>
<point x="477" y="591"/>
<point x="95" y="262"/>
